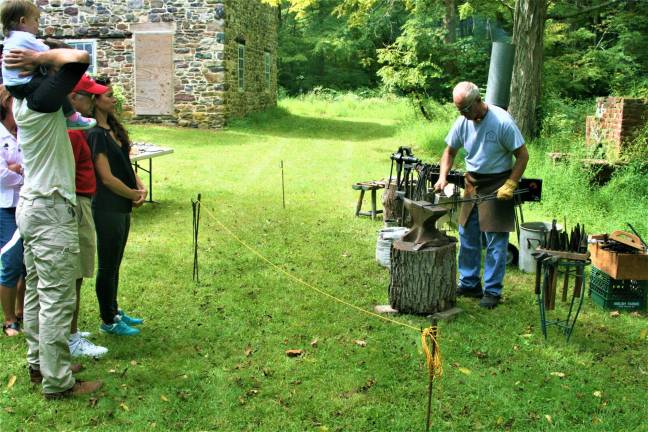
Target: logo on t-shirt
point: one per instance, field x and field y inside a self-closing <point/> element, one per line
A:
<point x="491" y="136"/>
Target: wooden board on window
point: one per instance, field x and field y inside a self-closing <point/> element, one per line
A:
<point x="154" y="73"/>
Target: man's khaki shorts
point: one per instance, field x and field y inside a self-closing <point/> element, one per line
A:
<point x="87" y="239"/>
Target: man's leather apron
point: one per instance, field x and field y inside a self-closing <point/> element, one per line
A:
<point x="494" y="215"/>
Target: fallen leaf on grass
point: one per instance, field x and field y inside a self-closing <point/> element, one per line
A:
<point x="164" y="398"/>
<point x="9" y="410"/>
<point x="549" y="419"/>
<point x="92" y="402"/>
<point x="614" y="314"/>
<point x="112" y="371"/>
<point x="12" y="381"/>
<point x="124" y="407"/>
<point x="313" y="343"/>
<point x="597" y="394"/>
<point x="133" y="362"/>
<point x="294" y="352"/>
<point x="480" y="355"/>
<point x="465" y="371"/>
<point x="557" y="374"/>
<point x="360" y="343"/>
<point x="248" y="352"/>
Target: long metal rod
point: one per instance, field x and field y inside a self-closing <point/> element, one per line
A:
<point x="283" y="188"/>
<point x="488" y="197"/>
<point x="195" y="205"/>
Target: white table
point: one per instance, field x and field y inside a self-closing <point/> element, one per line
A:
<point x="141" y="151"/>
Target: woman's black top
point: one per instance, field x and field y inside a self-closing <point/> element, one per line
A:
<point x="100" y="141"/>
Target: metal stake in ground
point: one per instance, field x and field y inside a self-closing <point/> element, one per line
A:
<point x="283" y="189"/>
<point x="195" y="205"/>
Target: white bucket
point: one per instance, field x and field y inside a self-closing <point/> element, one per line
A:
<point x="532" y="235"/>
<point x="386" y="237"/>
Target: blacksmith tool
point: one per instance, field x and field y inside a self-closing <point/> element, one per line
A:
<point x="195" y="205"/>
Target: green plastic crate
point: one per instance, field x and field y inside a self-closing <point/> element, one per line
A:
<point x="622" y="294"/>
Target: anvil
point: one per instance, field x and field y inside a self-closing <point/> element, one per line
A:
<point x="424" y="232"/>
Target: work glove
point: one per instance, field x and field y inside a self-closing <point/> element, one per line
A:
<point x="506" y="191"/>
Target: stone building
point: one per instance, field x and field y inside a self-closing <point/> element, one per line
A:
<point x="186" y="62"/>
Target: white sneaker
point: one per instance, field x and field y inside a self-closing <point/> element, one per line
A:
<point x="83" y="347"/>
<point x="84" y="334"/>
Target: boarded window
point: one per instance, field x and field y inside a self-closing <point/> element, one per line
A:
<point x="154" y="73"/>
<point x="241" y="66"/>
<point x="267" y="62"/>
<point x="88" y="45"/>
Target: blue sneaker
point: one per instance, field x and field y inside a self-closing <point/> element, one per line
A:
<point x="119" y="328"/>
<point x="80" y="123"/>
<point x="131" y="321"/>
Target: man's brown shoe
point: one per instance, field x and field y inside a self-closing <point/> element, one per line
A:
<point x="79" y="388"/>
<point x="36" y="378"/>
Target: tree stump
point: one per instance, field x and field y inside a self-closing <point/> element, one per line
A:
<point x="423" y="281"/>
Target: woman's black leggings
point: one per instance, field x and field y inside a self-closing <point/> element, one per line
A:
<point x="112" y="233"/>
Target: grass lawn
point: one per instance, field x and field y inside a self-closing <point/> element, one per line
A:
<point x="211" y="356"/>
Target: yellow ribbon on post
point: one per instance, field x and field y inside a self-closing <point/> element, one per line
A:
<point x="432" y="352"/>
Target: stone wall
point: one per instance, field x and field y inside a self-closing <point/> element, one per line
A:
<point x="249" y="22"/>
<point x="616" y="123"/>
<point x="202" y="57"/>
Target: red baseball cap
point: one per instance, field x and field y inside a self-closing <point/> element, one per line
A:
<point x="87" y="85"/>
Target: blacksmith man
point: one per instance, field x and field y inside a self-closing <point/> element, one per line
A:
<point x="491" y="139"/>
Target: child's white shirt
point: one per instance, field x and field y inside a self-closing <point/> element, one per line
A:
<point x="19" y="40"/>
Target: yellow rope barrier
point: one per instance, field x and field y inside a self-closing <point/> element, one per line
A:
<point x="301" y="281"/>
<point x="429" y="336"/>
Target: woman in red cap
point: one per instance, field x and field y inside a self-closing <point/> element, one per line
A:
<point x="82" y="100"/>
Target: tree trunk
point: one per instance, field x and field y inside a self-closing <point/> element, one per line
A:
<point x="526" y="85"/>
<point x="423" y="281"/>
<point x="450" y="21"/>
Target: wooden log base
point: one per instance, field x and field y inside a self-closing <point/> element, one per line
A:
<point x="423" y="281"/>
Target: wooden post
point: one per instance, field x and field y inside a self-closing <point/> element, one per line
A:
<point x="423" y="281"/>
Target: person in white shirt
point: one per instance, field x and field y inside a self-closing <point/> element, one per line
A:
<point x="12" y="274"/>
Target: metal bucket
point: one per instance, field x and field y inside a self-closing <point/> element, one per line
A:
<point x="386" y="237"/>
<point x="532" y="235"/>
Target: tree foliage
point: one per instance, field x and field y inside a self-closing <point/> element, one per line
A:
<point x="415" y="47"/>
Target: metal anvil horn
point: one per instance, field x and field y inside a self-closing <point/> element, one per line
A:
<point x="424" y="232"/>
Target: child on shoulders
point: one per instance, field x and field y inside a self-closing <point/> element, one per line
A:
<point x="20" y="19"/>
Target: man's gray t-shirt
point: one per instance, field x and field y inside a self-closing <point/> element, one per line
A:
<point x="48" y="160"/>
<point x="489" y="144"/>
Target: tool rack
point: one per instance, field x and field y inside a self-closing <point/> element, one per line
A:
<point x="571" y="263"/>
